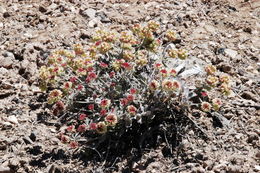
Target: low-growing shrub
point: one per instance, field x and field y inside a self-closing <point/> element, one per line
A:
<point x="125" y="85"/>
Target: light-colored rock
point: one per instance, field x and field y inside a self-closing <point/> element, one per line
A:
<point x="91" y="13"/>
<point x="12" y="119"/>
<point x="231" y="53"/>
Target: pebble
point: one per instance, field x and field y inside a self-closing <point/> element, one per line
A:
<point x="6" y="62"/>
<point x="5" y="170"/>
<point x="12" y="119"/>
<point x="231" y="53"/>
<point x="91" y="13"/>
<point x="249" y="96"/>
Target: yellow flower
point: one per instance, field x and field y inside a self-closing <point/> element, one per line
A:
<point x="216" y="102"/>
<point x="173" y="53"/>
<point x="153" y="25"/>
<point x="210" y="69"/>
<point x="182" y="54"/>
<point x="225" y="89"/>
<point x="170" y="35"/>
<point x="101" y="127"/>
<point x="212" y="80"/>
<point x="224" y="79"/>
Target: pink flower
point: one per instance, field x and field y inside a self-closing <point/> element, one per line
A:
<point x="123" y="101"/>
<point x="103" y="65"/>
<point x="82" y="117"/>
<point x="64" y="139"/>
<point x="163" y="72"/>
<point x="131" y="109"/>
<point x="205" y="106"/>
<point x="204" y="94"/>
<point x="111" y="119"/>
<point x="105" y="103"/>
<point x="92" y="75"/>
<point x="112" y="74"/>
<point x="70" y="128"/>
<point x="154" y="85"/>
<point x="130" y="97"/>
<point x="82" y="128"/>
<point x="73" y="79"/>
<point x="79" y="87"/>
<point x="126" y="65"/>
<point x="173" y="72"/>
<point x="98" y="43"/>
<point x="74" y="144"/>
<point x="158" y="65"/>
<point x="89" y="69"/>
<point x="103" y="112"/>
<point x="133" y="91"/>
<point x="93" y="126"/>
<point x="60" y="105"/>
<point x="91" y="107"/>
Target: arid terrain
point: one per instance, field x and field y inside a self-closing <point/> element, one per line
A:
<point x="225" y="33"/>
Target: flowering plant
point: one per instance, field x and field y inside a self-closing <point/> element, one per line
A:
<point x="122" y="81"/>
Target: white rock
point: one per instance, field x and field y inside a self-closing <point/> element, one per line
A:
<point x="231" y="53"/>
<point x="91" y="13"/>
<point x="257" y="167"/>
<point x="12" y="119"/>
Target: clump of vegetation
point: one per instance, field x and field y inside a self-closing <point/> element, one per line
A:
<point x="125" y="85"/>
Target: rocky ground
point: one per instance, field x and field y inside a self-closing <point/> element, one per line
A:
<point x="225" y="33"/>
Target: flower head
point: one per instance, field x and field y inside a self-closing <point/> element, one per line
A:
<point x="216" y="102"/>
<point x="205" y="106"/>
<point x="170" y="35"/>
<point x="74" y="144"/>
<point x="82" y="117"/>
<point x="212" y="80"/>
<point x="111" y="119"/>
<point x="131" y="109"/>
<point x="82" y="128"/>
<point x="105" y="103"/>
<point x="210" y="69"/>
<point x="167" y="85"/>
<point x="154" y="85"/>
<point x="101" y="127"/>
<point x="92" y="126"/>
<point x="54" y="96"/>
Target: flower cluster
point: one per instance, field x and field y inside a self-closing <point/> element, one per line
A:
<point x="117" y="79"/>
<point x="216" y="81"/>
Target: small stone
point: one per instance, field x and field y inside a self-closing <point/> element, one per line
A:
<point x="224" y="67"/>
<point x="231" y="53"/>
<point x="5" y="170"/>
<point x="6" y="14"/>
<point x="6" y="62"/>
<point x="258" y="155"/>
<point x="93" y="23"/>
<point x="42" y="9"/>
<point x="252" y="137"/>
<point x="257" y="167"/>
<point x="12" y="119"/>
<point x="249" y="96"/>
<point x="91" y="13"/>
